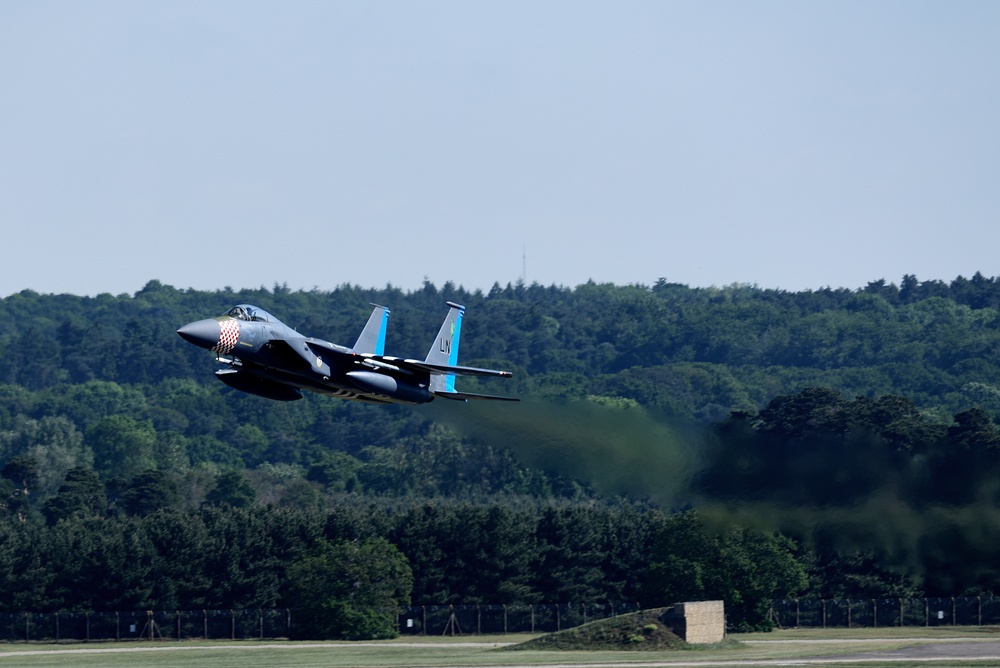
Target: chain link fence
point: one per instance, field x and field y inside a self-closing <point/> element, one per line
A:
<point x="277" y="623"/>
<point x="873" y="613"/>
<point x="147" y="625"/>
<point x="457" y="620"/>
<point x="480" y="619"/>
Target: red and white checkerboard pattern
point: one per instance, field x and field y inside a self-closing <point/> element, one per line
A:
<point x="228" y="337"/>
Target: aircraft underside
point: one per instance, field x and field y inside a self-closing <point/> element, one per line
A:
<point x="283" y="386"/>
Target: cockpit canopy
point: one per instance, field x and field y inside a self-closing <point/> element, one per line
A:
<point x="250" y="313"/>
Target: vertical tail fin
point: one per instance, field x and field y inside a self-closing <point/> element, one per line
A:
<point x="444" y="350"/>
<point x="372" y="339"/>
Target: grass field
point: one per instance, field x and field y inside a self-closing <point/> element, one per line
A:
<point x="779" y="647"/>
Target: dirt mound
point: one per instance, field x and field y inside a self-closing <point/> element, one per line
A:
<point x="644" y="630"/>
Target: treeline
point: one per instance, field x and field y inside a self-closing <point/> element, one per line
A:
<point x="696" y="352"/>
<point x="847" y="436"/>
<point x="443" y="552"/>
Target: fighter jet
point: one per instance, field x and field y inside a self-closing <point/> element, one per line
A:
<point x="263" y="356"/>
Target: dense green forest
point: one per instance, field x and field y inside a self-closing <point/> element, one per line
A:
<point x="670" y="441"/>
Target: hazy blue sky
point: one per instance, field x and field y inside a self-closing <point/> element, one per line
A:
<point x="210" y="144"/>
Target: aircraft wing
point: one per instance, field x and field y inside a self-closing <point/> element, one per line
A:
<point x="430" y="367"/>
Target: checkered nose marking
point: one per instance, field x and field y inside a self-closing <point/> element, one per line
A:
<point x="228" y="336"/>
<point x="215" y="334"/>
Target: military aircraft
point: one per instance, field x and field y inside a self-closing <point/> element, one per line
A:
<point x="263" y="356"/>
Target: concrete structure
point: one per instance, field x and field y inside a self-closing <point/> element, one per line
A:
<point x="700" y="622"/>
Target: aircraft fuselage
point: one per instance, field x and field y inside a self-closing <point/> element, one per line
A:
<point x="264" y="356"/>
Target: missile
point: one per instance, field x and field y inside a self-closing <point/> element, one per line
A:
<point x="376" y="364"/>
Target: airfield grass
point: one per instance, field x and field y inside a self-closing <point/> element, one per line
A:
<point x="476" y="651"/>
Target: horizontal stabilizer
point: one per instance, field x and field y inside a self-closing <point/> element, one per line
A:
<point x="431" y="367"/>
<point x="469" y="396"/>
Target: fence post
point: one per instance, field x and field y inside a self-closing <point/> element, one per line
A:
<point x="178" y="612"/>
<point x="558" y="620"/>
<point x="424" y="608"/>
<point x="505" y="619"/>
<point x="874" y="613"/>
<point x="118" y="626"/>
<point x="204" y="622"/>
<point x="87" y="617"/>
<point x="232" y="624"/>
<point x="824" y="613"/>
<point x="533" y="617"/>
<point x="479" y="619"/>
<point x="900" y="612"/>
<point x="927" y="613"/>
<point x="57" y="625"/>
<point x="953" y="618"/>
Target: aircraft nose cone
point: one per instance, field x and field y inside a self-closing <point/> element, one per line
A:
<point x="204" y="333"/>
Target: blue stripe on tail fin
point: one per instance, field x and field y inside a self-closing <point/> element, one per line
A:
<point x="444" y="350"/>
